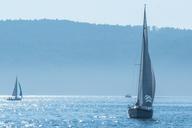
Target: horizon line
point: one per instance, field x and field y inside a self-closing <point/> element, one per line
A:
<point x="55" y="95"/>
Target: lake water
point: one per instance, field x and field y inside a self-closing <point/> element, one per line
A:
<point x="92" y="112"/>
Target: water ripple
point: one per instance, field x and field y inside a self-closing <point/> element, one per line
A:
<point x="90" y="112"/>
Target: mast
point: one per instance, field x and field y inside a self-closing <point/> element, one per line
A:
<point x="146" y="87"/>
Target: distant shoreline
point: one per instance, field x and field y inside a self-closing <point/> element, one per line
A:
<point x="100" y="24"/>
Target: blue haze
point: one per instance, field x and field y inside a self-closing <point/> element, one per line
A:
<point x="72" y="58"/>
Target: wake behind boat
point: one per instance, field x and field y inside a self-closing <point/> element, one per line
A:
<point x="146" y="90"/>
<point x="17" y="92"/>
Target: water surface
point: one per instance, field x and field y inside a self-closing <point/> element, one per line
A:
<point x="92" y="112"/>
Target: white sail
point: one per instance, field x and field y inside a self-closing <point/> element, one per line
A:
<point x="146" y="88"/>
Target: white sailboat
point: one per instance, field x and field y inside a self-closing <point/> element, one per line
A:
<point x="17" y="92"/>
<point x="146" y="89"/>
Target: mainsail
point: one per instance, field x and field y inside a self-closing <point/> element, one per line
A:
<point x="146" y="88"/>
<point x="15" y="90"/>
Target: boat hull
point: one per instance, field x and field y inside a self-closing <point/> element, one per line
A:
<point x="14" y="99"/>
<point x="140" y="113"/>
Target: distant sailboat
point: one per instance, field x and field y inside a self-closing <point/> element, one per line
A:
<point x="146" y="89"/>
<point x="127" y="96"/>
<point x="17" y="92"/>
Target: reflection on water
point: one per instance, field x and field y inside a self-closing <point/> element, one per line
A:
<point x="88" y="112"/>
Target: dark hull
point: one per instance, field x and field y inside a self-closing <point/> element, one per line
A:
<point x="14" y="99"/>
<point x="140" y="113"/>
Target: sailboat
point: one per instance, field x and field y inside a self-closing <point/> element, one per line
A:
<point x="17" y="92"/>
<point x="146" y="88"/>
<point x="127" y="96"/>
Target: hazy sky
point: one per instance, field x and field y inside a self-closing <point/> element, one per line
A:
<point x="172" y="13"/>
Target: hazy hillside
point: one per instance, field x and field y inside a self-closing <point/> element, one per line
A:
<point x="80" y="58"/>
